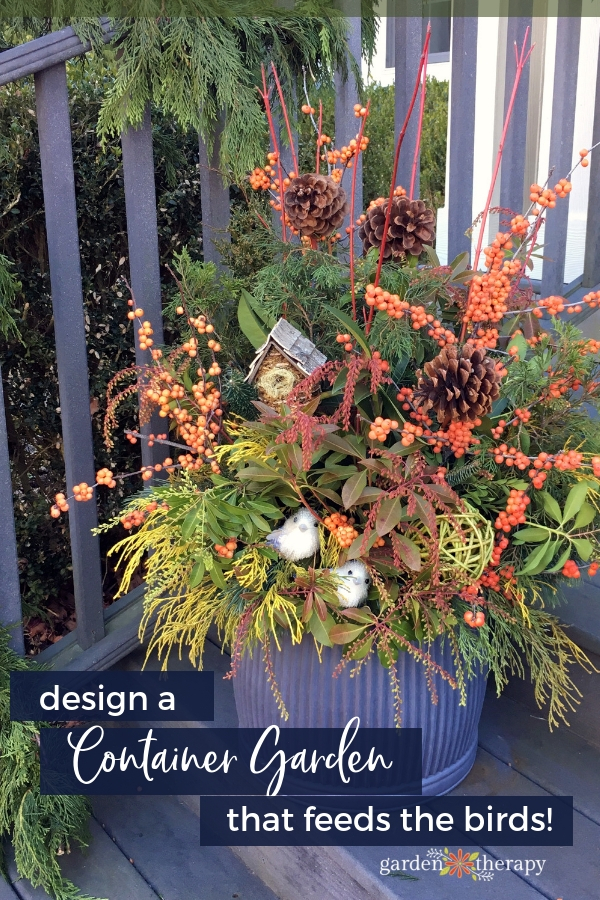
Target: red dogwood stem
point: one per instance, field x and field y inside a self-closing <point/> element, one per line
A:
<point x="265" y="96"/>
<point x="413" y="174"/>
<point x="522" y="59"/>
<point x="397" y="157"/>
<point x="286" y="119"/>
<point x="359" y="138"/>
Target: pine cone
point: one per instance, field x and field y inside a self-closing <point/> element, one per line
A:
<point x="412" y="224"/>
<point x="315" y="205"/>
<point x="461" y="385"/>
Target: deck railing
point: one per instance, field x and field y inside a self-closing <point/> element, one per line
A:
<point x="103" y="636"/>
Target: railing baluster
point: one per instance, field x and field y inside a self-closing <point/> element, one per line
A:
<point x="214" y="198"/>
<point x="512" y="177"/>
<point x="561" y="149"/>
<point x="461" y="138"/>
<point x="142" y="238"/>
<point x="346" y="125"/>
<point x="10" y="595"/>
<point x="407" y="49"/>
<point x="62" y="236"/>
<point x="591" y="266"/>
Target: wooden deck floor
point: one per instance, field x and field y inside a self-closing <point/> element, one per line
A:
<point x="146" y="848"/>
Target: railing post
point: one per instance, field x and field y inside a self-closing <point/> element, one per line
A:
<point x="214" y="196"/>
<point x="591" y="265"/>
<point x="142" y="237"/>
<point x="561" y="149"/>
<point x="346" y="124"/>
<point x="408" y="45"/>
<point x="461" y="139"/>
<point x="512" y="177"/>
<point x="62" y="236"/>
<point x="10" y="594"/>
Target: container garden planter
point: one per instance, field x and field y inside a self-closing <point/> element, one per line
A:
<point x="406" y="509"/>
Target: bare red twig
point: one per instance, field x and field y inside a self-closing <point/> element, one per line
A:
<point x="413" y="175"/>
<point x="521" y="60"/>
<point x="286" y="119"/>
<point x="396" y="159"/>
<point x="359" y="138"/>
<point x="267" y="102"/>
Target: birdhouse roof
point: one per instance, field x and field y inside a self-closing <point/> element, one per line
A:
<point x="301" y="352"/>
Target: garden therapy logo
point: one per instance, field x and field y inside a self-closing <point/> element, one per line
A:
<point x="461" y="863"/>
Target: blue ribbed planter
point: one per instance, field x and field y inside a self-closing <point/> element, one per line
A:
<point x="314" y="699"/>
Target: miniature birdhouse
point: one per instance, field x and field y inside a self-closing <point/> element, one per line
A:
<point x="285" y="359"/>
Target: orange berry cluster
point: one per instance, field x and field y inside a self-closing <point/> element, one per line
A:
<point x="442" y="336"/>
<point x="134" y="518"/>
<point x="228" y="549"/>
<point x="523" y="415"/>
<point x="593" y="568"/>
<point x="144" y="335"/>
<point x="345" y="154"/>
<point x="458" y="437"/>
<point x="134" y="313"/>
<point x="83" y="491"/>
<point x="563" y="188"/>
<point x="201" y="325"/>
<point x="554" y="305"/>
<point x="307" y="109"/>
<point x="359" y="111"/>
<point x="497" y="431"/>
<point x="484" y="337"/>
<point x="259" y="180"/>
<point x="568" y="461"/>
<point x="595" y="466"/>
<point x="542" y="196"/>
<point x="592" y="299"/>
<point x="385" y="302"/>
<point x="474" y="619"/>
<point x="519" y="225"/>
<point x="346" y="340"/>
<point x="409" y="433"/>
<point x="342" y="527"/>
<point x="514" y="515"/>
<point x="583" y="154"/>
<point x="571" y="569"/>
<point x="380" y="428"/>
<point x="497" y="551"/>
<point x="379" y="542"/>
<point x="405" y="396"/>
<point x="60" y="505"/>
<point x="489" y="292"/>
<point x="510" y="456"/>
<point x="105" y="476"/>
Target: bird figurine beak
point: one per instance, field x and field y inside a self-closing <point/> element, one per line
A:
<point x="302" y="527"/>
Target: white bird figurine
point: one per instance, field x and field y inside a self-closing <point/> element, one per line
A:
<point x="298" y="537"/>
<point x="355" y="583"/>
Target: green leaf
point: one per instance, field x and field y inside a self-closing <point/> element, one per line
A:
<point x="216" y="573"/>
<point x="353" y="488"/>
<point x="520" y="343"/>
<point x="551" y="506"/>
<point x="584" y="548"/>
<point x="389" y="514"/>
<point x="370" y="494"/>
<point x="531" y="535"/>
<point x="189" y="523"/>
<point x="260" y="522"/>
<point x="259" y="309"/>
<point x="575" y="498"/>
<point x="345" y="633"/>
<point x="320" y="630"/>
<point x="350" y="326"/>
<point x="354" y="550"/>
<point x="197" y="574"/>
<point x="363" y="650"/>
<point x="459" y="263"/>
<point x="335" y="442"/>
<point x="546" y="558"/>
<point x="560" y="562"/>
<point x="250" y="323"/>
<point x="586" y="514"/>
<point x="534" y="558"/>
<point x="408" y="551"/>
<point x="525" y="440"/>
